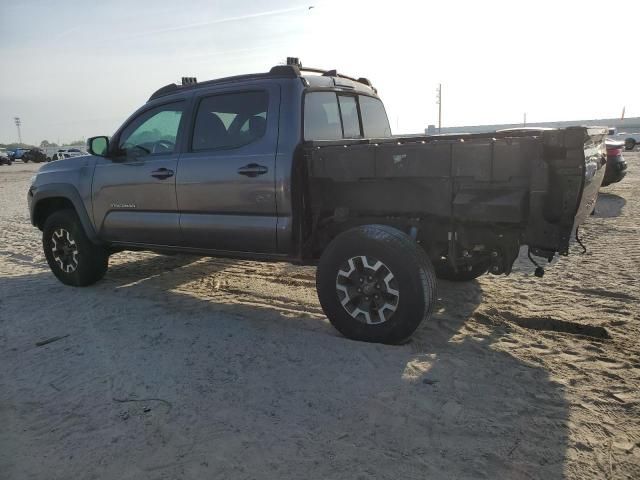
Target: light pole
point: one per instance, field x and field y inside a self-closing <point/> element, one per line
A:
<point x="439" y="102"/>
<point x="18" y="123"/>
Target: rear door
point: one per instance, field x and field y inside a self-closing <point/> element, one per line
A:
<point x="134" y="191"/>
<point x="226" y="178"/>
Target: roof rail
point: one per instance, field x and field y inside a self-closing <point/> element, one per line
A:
<point x="166" y="90"/>
<point x="285" y="71"/>
<point x="293" y="69"/>
<point x="294" y="66"/>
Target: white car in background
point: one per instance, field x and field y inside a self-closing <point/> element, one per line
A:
<point x="630" y="139"/>
<point x="67" y="153"/>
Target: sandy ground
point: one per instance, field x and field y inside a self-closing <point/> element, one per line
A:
<point x="190" y="368"/>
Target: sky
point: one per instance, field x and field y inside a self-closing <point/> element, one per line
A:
<point x="73" y="69"/>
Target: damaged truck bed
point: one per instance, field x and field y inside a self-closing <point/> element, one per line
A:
<point x="467" y="199"/>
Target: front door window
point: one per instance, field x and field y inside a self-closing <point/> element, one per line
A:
<point x="154" y="132"/>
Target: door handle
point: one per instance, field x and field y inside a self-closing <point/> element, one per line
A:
<point x="162" y="173"/>
<point x="253" y="170"/>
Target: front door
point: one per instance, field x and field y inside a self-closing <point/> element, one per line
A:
<point x="226" y="178"/>
<point x="134" y="190"/>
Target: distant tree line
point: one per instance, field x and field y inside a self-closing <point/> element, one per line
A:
<point x="47" y="143"/>
<point x="13" y="146"/>
<point x="43" y="144"/>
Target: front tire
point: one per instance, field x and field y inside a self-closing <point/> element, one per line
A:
<point x="72" y="257"/>
<point x="629" y="144"/>
<point x="375" y="284"/>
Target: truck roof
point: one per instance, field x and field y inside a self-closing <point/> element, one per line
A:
<point x="315" y="77"/>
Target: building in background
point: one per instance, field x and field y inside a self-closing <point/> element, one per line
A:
<point x="628" y="125"/>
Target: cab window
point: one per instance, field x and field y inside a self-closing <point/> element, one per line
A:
<point x="334" y="116"/>
<point x="154" y="132"/>
<point x="230" y="120"/>
<point x="374" y="118"/>
<point x="322" y="116"/>
<point x="350" y="119"/>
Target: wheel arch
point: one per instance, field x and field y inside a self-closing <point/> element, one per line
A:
<point x="48" y="199"/>
<point x="328" y="228"/>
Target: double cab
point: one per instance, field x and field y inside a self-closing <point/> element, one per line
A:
<point x="300" y="165"/>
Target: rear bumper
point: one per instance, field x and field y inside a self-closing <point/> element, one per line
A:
<point x="568" y="189"/>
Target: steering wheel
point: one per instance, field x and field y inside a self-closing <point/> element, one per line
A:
<point x="126" y="148"/>
<point x="166" y="145"/>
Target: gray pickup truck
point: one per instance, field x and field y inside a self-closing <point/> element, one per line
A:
<point x="299" y="165"/>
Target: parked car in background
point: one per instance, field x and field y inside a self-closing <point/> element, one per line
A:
<point x="5" y="159"/>
<point x="34" y="155"/>
<point x="616" y="164"/>
<point x="17" y="154"/>
<point x="66" y="153"/>
<point x="630" y="140"/>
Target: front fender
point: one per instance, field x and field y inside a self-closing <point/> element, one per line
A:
<point x="40" y="195"/>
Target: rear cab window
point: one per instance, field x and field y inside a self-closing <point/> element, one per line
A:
<point x="350" y="117"/>
<point x="322" y="117"/>
<point x="337" y="116"/>
<point x="374" y="118"/>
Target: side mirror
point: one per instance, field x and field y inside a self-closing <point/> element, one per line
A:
<point x="98" y="146"/>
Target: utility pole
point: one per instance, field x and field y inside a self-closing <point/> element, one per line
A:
<point x="18" y="122"/>
<point x="524" y="123"/>
<point x="439" y="102"/>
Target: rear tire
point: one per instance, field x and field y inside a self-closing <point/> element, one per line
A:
<point x="375" y="284"/>
<point x="72" y="257"/>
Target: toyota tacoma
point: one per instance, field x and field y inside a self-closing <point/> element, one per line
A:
<point x="299" y="165"/>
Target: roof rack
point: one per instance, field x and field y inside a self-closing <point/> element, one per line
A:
<point x="294" y="65"/>
<point x="293" y="69"/>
